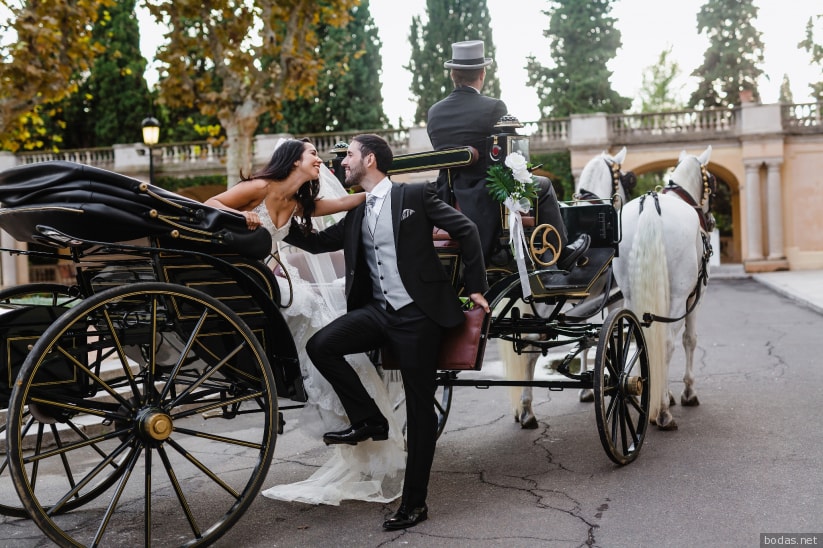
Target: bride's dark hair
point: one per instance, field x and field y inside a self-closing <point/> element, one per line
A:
<point x="280" y="166"/>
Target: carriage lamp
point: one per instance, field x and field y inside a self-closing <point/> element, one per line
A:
<point x="151" y="135"/>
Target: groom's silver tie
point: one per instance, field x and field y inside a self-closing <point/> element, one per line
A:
<point x="372" y="214"/>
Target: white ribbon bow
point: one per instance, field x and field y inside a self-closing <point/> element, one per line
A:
<point x="517" y="240"/>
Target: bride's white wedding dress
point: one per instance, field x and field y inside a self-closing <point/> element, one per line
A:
<point x="369" y="471"/>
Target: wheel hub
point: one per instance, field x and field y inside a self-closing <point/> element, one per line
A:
<point x="155" y="425"/>
<point x="633" y="386"/>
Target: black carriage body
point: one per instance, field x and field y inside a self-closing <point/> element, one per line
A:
<point x="20" y="327"/>
<point x="122" y="231"/>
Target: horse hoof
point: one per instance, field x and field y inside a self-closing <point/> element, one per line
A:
<point x="689" y="401"/>
<point x="666" y="424"/>
<point x="672" y="401"/>
<point x="527" y="422"/>
<point x="586" y="395"/>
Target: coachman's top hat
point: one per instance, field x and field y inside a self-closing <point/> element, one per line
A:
<point x="468" y="55"/>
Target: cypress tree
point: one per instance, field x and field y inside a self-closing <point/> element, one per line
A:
<point x="448" y="21"/>
<point x="111" y="104"/>
<point x="730" y="64"/>
<point x="582" y="40"/>
<point x="348" y="89"/>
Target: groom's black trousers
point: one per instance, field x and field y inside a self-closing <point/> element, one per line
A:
<point x="414" y="340"/>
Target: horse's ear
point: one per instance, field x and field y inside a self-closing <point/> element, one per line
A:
<point x="704" y="158"/>
<point x="683" y="155"/>
<point x="620" y="156"/>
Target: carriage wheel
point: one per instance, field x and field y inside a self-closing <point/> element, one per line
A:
<point x="28" y="294"/>
<point x="40" y="293"/>
<point x="621" y="386"/>
<point x="150" y="442"/>
<point x="442" y="404"/>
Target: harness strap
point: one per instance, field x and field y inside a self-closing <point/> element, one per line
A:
<point x="702" y="281"/>
<point x="686" y="197"/>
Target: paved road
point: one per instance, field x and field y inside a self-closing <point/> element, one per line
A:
<point x="747" y="461"/>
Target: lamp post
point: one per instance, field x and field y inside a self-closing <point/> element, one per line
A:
<point x="151" y="135"/>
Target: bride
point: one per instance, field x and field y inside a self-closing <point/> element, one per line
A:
<point x="295" y="188"/>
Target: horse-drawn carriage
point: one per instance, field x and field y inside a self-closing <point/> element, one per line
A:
<point x="129" y="391"/>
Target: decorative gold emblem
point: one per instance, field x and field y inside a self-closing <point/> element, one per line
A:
<point x="549" y="235"/>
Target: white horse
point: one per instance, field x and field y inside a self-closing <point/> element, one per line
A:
<point x="600" y="175"/>
<point x="662" y="269"/>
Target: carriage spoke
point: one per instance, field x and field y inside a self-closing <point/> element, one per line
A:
<point x="183" y="355"/>
<point x="115" y="498"/>
<point x="67" y="448"/>
<point x="178" y="490"/>
<point x="216" y="404"/>
<point x="206" y="376"/>
<point x="99" y="382"/>
<point x="203" y="468"/>
<point x="214" y="437"/>
<point x="121" y="353"/>
<point x="93" y="473"/>
<point x="147" y="498"/>
<point x="63" y="458"/>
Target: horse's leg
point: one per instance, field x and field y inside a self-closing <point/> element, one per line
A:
<point x="586" y="395"/>
<point x="519" y="367"/>
<point x="689" y="395"/>
<point x="665" y="420"/>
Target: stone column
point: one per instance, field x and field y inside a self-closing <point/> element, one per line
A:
<point x="774" y="205"/>
<point x="754" y="226"/>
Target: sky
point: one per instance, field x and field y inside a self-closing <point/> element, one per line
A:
<point x="647" y="26"/>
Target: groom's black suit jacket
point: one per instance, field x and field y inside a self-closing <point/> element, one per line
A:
<point x="416" y="209"/>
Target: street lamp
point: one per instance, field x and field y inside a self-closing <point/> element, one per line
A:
<point x="151" y="135"/>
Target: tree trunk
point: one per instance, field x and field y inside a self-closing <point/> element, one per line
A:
<point x="240" y="139"/>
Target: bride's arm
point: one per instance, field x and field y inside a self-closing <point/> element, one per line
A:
<point x="330" y="206"/>
<point x="240" y="199"/>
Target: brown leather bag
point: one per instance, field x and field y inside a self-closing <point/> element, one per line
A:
<point x="462" y="347"/>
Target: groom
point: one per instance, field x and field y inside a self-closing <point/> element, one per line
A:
<point x="397" y="295"/>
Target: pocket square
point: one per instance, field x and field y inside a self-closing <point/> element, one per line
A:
<point x="406" y="214"/>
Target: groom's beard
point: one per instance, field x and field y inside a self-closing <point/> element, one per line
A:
<point x="356" y="174"/>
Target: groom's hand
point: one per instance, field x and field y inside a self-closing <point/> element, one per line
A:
<point x="479" y="300"/>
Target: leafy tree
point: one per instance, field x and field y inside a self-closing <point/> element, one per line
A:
<point x="53" y="49"/>
<point x="352" y="70"/>
<point x="785" y="91"/>
<point x="448" y="21"/>
<point x="582" y="40"/>
<point x="113" y="100"/>
<point x="816" y="51"/>
<point x="730" y="64"/>
<point x="238" y="59"/>
<point x="658" y="93"/>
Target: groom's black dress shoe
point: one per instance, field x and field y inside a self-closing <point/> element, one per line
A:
<point x="406" y="518"/>
<point x="573" y="251"/>
<point x="377" y="429"/>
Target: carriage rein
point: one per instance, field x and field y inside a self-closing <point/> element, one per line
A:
<point x="709" y="190"/>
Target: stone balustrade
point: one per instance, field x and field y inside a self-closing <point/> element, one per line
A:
<point x="546" y="135"/>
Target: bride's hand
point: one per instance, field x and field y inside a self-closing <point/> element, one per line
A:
<point x="252" y="219"/>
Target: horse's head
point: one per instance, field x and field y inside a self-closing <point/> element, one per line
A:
<point x="692" y="175"/>
<point x="602" y="180"/>
<point x="692" y="181"/>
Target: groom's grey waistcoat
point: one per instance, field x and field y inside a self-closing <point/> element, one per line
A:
<point x="381" y="256"/>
